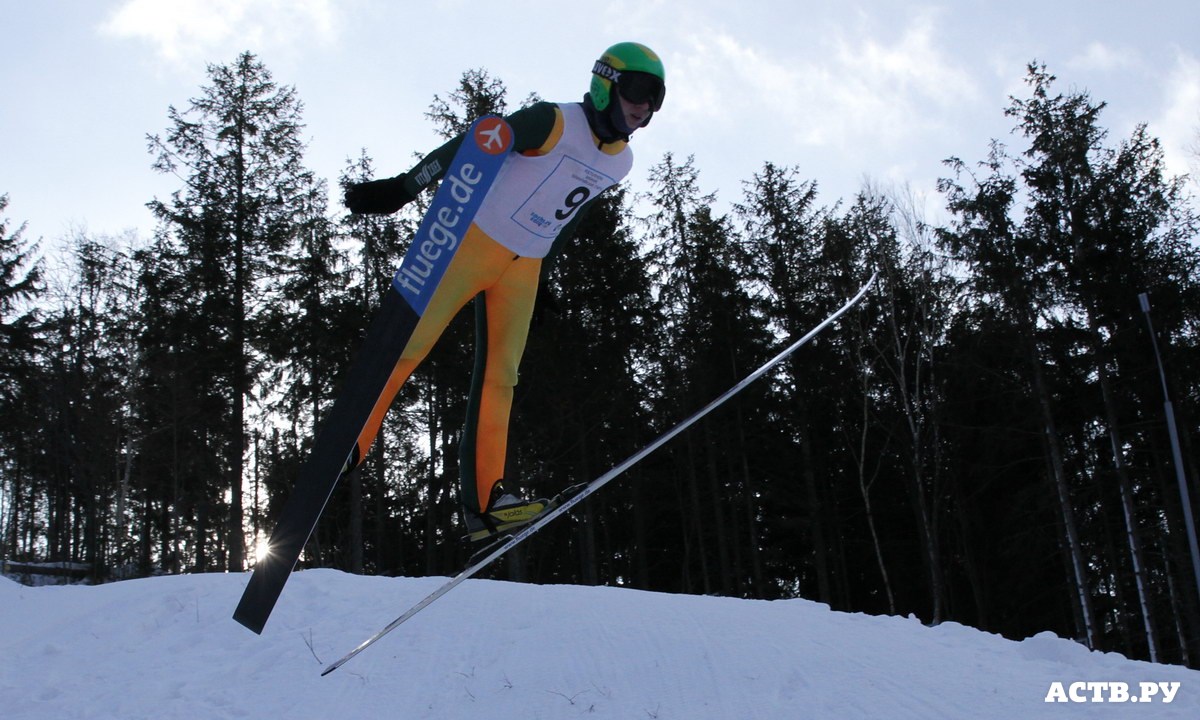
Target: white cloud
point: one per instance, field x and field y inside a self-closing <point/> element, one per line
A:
<point x="895" y="90"/>
<point x="1098" y="57"/>
<point x="183" y="31"/>
<point x="847" y="86"/>
<point x="1179" y="125"/>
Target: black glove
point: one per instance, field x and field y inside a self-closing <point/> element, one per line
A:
<point x="377" y="196"/>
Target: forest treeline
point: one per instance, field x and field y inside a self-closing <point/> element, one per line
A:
<point x="983" y="439"/>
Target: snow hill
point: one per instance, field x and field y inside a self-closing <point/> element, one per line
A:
<point x="167" y="648"/>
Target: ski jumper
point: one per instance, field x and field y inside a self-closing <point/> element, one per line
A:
<point x="557" y="168"/>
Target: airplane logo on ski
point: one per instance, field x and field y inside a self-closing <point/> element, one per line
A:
<point x="493" y="136"/>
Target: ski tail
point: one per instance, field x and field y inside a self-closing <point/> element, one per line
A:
<point x="366" y="381"/>
<point x="486" y="558"/>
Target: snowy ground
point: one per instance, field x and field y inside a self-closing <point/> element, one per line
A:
<point x="167" y="648"/>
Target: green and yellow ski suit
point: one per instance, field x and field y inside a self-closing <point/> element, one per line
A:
<point x="557" y="168"/>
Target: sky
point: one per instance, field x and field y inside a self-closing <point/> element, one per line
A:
<point x="847" y="92"/>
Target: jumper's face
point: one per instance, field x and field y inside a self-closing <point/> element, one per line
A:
<point x="636" y="114"/>
<point x="640" y="95"/>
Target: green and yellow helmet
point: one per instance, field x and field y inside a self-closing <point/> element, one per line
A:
<point x="635" y="70"/>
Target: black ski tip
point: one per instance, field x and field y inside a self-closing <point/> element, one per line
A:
<point x="253" y="624"/>
<point x="263" y="590"/>
<point x="258" y="599"/>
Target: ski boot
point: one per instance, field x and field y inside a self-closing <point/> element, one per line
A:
<point x="505" y="512"/>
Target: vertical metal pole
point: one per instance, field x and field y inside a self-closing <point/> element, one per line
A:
<point x="1180" y="476"/>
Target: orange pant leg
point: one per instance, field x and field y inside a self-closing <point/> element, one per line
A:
<point x="502" y="330"/>
<point x="478" y="264"/>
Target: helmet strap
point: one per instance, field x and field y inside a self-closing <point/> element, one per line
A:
<point x="606" y="71"/>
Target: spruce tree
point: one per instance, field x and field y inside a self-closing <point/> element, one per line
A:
<point x="238" y="149"/>
<point x="20" y="286"/>
<point x="21" y="381"/>
<point x="1059" y="241"/>
<point x="1114" y="225"/>
<point x="711" y="339"/>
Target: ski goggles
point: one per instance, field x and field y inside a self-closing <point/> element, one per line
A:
<point x="635" y="86"/>
<point x="640" y="87"/>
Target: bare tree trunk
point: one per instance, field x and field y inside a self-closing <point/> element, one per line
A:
<point x="864" y="488"/>
<point x="1177" y="615"/>
<point x="356" y="521"/>
<point x="1082" y="598"/>
<point x="175" y="552"/>
<point x="717" y="500"/>
<point x="587" y="537"/>
<point x="1131" y="533"/>
<point x="641" y="515"/>
<point x="387" y="555"/>
<point x="911" y="376"/>
<point x="241" y="380"/>
<point x="751" y="510"/>
<point x="122" y="527"/>
<point x="816" y="515"/>
<point x="696" y="522"/>
<point x="431" y="481"/>
<point x="8" y="513"/>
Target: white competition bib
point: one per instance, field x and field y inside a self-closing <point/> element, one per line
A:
<point x="553" y="203"/>
<point x="534" y="197"/>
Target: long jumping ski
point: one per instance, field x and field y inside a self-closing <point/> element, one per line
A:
<point x="570" y="499"/>
<point x="464" y="185"/>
